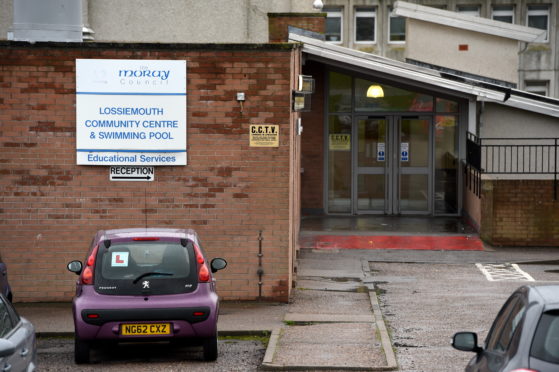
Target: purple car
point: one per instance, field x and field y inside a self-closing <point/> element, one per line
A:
<point x="145" y="285"/>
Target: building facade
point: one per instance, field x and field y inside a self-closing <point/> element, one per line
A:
<point x="371" y="26"/>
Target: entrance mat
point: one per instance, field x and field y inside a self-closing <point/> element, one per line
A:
<point x="436" y="243"/>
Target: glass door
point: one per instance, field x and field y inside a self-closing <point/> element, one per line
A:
<point x="392" y="165"/>
<point x="371" y="156"/>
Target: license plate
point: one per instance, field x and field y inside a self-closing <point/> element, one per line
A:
<point x="145" y="329"/>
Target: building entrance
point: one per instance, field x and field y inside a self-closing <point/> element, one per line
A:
<point x="392" y="165"/>
<point x="395" y="153"/>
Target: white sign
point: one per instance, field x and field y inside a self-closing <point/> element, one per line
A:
<point x="404" y="151"/>
<point x="130" y="173"/>
<point x="381" y="153"/>
<point x="130" y="112"/>
<point x="119" y="259"/>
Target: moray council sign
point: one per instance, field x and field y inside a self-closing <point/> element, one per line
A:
<point x="130" y="112"/>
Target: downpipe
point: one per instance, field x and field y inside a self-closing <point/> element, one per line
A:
<point x="260" y="270"/>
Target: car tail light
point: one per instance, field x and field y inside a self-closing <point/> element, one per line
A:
<point x="87" y="274"/>
<point x="203" y="272"/>
<point x="145" y="239"/>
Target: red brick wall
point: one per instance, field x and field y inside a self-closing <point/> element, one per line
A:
<point x="50" y="207"/>
<point x="312" y="158"/>
<point x="278" y="24"/>
<point x="519" y="213"/>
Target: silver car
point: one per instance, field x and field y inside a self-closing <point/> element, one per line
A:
<point x="18" y="350"/>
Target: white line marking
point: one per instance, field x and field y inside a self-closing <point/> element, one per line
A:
<point x="502" y="272"/>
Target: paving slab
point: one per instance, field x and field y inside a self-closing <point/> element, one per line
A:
<point x="333" y="345"/>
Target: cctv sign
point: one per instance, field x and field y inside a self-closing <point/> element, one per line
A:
<point x="130" y="112"/>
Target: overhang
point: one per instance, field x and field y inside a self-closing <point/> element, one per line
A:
<point x="425" y="77"/>
<point x="467" y="22"/>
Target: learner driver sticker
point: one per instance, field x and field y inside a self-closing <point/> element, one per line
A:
<point x="120" y="259"/>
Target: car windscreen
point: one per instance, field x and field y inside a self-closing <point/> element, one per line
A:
<point x="546" y="339"/>
<point x="145" y="268"/>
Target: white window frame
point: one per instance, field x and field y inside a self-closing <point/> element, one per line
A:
<point x="361" y="13"/>
<point x="540" y="12"/>
<point x="473" y="13"/>
<point x="336" y="13"/>
<point x="503" y="12"/>
<point x="537" y="86"/>
<point x="390" y="16"/>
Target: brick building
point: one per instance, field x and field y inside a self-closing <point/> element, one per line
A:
<point x="409" y="152"/>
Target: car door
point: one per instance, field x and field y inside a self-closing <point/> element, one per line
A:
<point x="19" y="332"/>
<point x="499" y="346"/>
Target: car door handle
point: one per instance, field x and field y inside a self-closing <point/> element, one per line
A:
<point x="7" y="367"/>
<point x="24" y="352"/>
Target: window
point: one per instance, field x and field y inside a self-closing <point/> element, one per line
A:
<point x="538" y="17"/>
<point x="397" y="28"/>
<point x="505" y="325"/>
<point x="546" y="340"/>
<point x="537" y="87"/>
<point x="333" y="25"/>
<point x="472" y="10"/>
<point x="365" y="25"/>
<point x="503" y="13"/>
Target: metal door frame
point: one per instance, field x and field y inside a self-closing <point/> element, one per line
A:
<point x="392" y="168"/>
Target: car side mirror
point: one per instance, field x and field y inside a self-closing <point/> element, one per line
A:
<point x="218" y="264"/>
<point x="466" y="341"/>
<point x="75" y="267"/>
<point x="7" y="348"/>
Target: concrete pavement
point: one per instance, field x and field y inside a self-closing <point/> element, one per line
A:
<point x="333" y="321"/>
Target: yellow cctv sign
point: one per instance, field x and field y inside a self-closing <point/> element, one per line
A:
<point x="339" y="142"/>
<point x="264" y="135"/>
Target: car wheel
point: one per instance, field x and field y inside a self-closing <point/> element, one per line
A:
<point x="210" y="349"/>
<point x="81" y="351"/>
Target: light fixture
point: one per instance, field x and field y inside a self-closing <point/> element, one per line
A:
<point x="317" y="4"/>
<point x="375" y="91"/>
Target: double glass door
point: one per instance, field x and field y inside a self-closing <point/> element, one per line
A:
<point x="386" y="167"/>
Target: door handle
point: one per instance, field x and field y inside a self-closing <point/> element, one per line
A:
<point x="24" y="352"/>
<point x="7" y="367"/>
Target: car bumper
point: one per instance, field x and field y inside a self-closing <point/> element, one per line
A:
<point x="101" y="316"/>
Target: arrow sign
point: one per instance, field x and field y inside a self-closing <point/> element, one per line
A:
<point x="131" y="173"/>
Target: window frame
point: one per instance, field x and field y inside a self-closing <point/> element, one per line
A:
<point x="391" y="15"/>
<point x="336" y="12"/>
<point x="540" y="12"/>
<point x="534" y="86"/>
<point x="368" y="12"/>
<point x="503" y="12"/>
<point x="462" y="9"/>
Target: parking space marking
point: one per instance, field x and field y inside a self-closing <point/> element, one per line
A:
<point x="503" y="272"/>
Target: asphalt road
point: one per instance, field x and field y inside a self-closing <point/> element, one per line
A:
<point x="57" y="354"/>
<point x="425" y="303"/>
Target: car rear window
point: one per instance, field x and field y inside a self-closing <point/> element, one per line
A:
<point x="145" y="268"/>
<point x="546" y="339"/>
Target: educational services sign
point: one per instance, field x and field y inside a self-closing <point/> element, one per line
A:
<point x="130" y="112"/>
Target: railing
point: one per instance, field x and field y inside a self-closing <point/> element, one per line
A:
<point x="511" y="156"/>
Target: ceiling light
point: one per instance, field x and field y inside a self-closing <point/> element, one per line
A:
<point x="375" y="91"/>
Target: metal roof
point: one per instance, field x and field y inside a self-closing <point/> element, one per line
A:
<point x="392" y="69"/>
<point x="468" y="22"/>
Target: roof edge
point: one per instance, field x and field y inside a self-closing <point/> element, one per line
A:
<point x="467" y="22"/>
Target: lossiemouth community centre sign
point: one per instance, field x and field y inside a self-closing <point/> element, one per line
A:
<point x="130" y="112"/>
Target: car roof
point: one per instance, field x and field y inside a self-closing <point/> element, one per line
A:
<point x="147" y="232"/>
<point x="547" y="295"/>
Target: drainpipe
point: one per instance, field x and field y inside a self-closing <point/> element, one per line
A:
<point x="260" y="270"/>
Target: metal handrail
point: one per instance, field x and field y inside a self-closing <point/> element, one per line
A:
<point x="514" y="156"/>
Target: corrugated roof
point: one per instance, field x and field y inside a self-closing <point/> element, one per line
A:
<point x="482" y="91"/>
